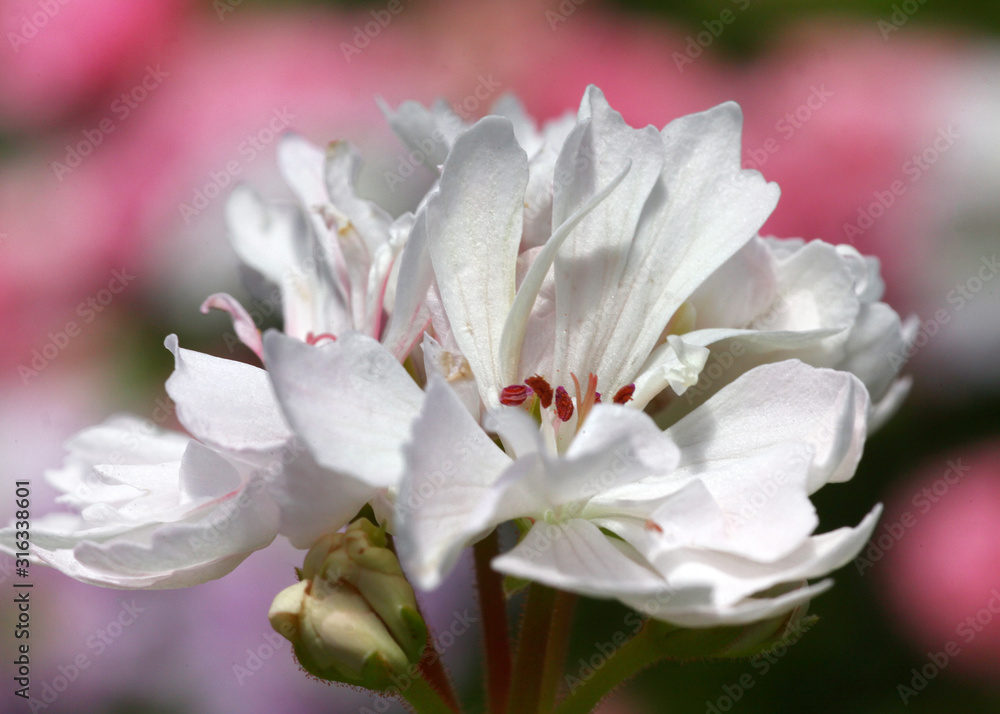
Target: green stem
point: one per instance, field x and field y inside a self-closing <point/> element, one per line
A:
<point x="642" y="651"/>
<point x="423" y="699"/>
<point x="496" y="634"/>
<point x="529" y="666"/>
<point x="556" y="649"/>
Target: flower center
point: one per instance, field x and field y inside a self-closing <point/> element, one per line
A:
<point x="537" y="389"/>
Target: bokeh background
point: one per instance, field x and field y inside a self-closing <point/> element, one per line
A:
<point x="124" y="124"/>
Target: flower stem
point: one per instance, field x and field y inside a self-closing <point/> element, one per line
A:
<point x="423" y="699"/>
<point x="433" y="672"/>
<point x="496" y="636"/>
<point x="642" y="651"/>
<point x="556" y="649"/>
<point x="530" y="664"/>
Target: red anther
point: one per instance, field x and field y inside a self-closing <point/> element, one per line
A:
<point x="515" y="395"/>
<point x="624" y="395"/>
<point x="564" y="405"/>
<point x="542" y="389"/>
<point x="312" y="339"/>
<point x="653" y="526"/>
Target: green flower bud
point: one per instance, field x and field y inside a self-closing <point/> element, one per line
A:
<point x="352" y="617"/>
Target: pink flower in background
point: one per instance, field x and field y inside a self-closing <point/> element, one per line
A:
<point x="940" y="572"/>
<point x="62" y="55"/>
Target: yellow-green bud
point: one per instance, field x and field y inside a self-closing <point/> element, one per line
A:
<point x="352" y="617"/>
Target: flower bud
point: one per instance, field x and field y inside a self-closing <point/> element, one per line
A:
<point x="352" y="617"/>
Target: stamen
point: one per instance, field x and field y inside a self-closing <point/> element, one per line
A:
<point x="542" y="388"/>
<point x="564" y="405"/>
<point x="652" y="525"/>
<point x="515" y="395"/>
<point x="624" y="395"/>
<point x="585" y="401"/>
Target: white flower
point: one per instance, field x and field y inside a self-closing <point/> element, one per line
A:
<point x="780" y="299"/>
<point x="156" y="510"/>
<point x="586" y="272"/>
<point x="334" y="256"/>
<point x="232" y="407"/>
<point x="774" y="299"/>
<point x="640" y="220"/>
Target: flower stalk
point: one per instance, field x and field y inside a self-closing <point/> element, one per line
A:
<point x="496" y="634"/>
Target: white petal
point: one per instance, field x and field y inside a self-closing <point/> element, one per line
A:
<point x="277" y="242"/>
<point x="703" y="209"/>
<point x="677" y="363"/>
<point x="761" y="507"/>
<point x="512" y="338"/>
<point x="590" y="262"/>
<point x="733" y="578"/>
<point x="474" y="228"/>
<point x="616" y="445"/>
<point x="350" y="401"/>
<point x="741" y="613"/>
<point x="270" y="239"/>
<point x="525" y="129"/>
<point x="313" y="500"/>
<point x="410" y="314"/>
<point x="428" y="133"/>
<point x="121" y="439"/>
<point x="341" y="168"/>
<point x="451" y="466"/>
<point x="576" y="556"/>
<point x="454" y="369"/>
<point x="225" y="403"/>
<point x="784" y="402"/>
<point x="218" y="531"/>
<point x="739" y="290"/>
<point x="876" y="335"/>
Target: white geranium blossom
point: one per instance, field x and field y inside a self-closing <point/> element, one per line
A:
<point x="520" y="349"/>
<point x="334" y="256"/>
<point x="775" y="299"/>
<point x="156" y="510"/>
<point x="642" y="220"/>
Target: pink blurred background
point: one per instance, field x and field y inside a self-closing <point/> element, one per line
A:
<point x="120" y="124"/>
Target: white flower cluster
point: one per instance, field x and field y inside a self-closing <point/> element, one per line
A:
<point x="578" y="331"/>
